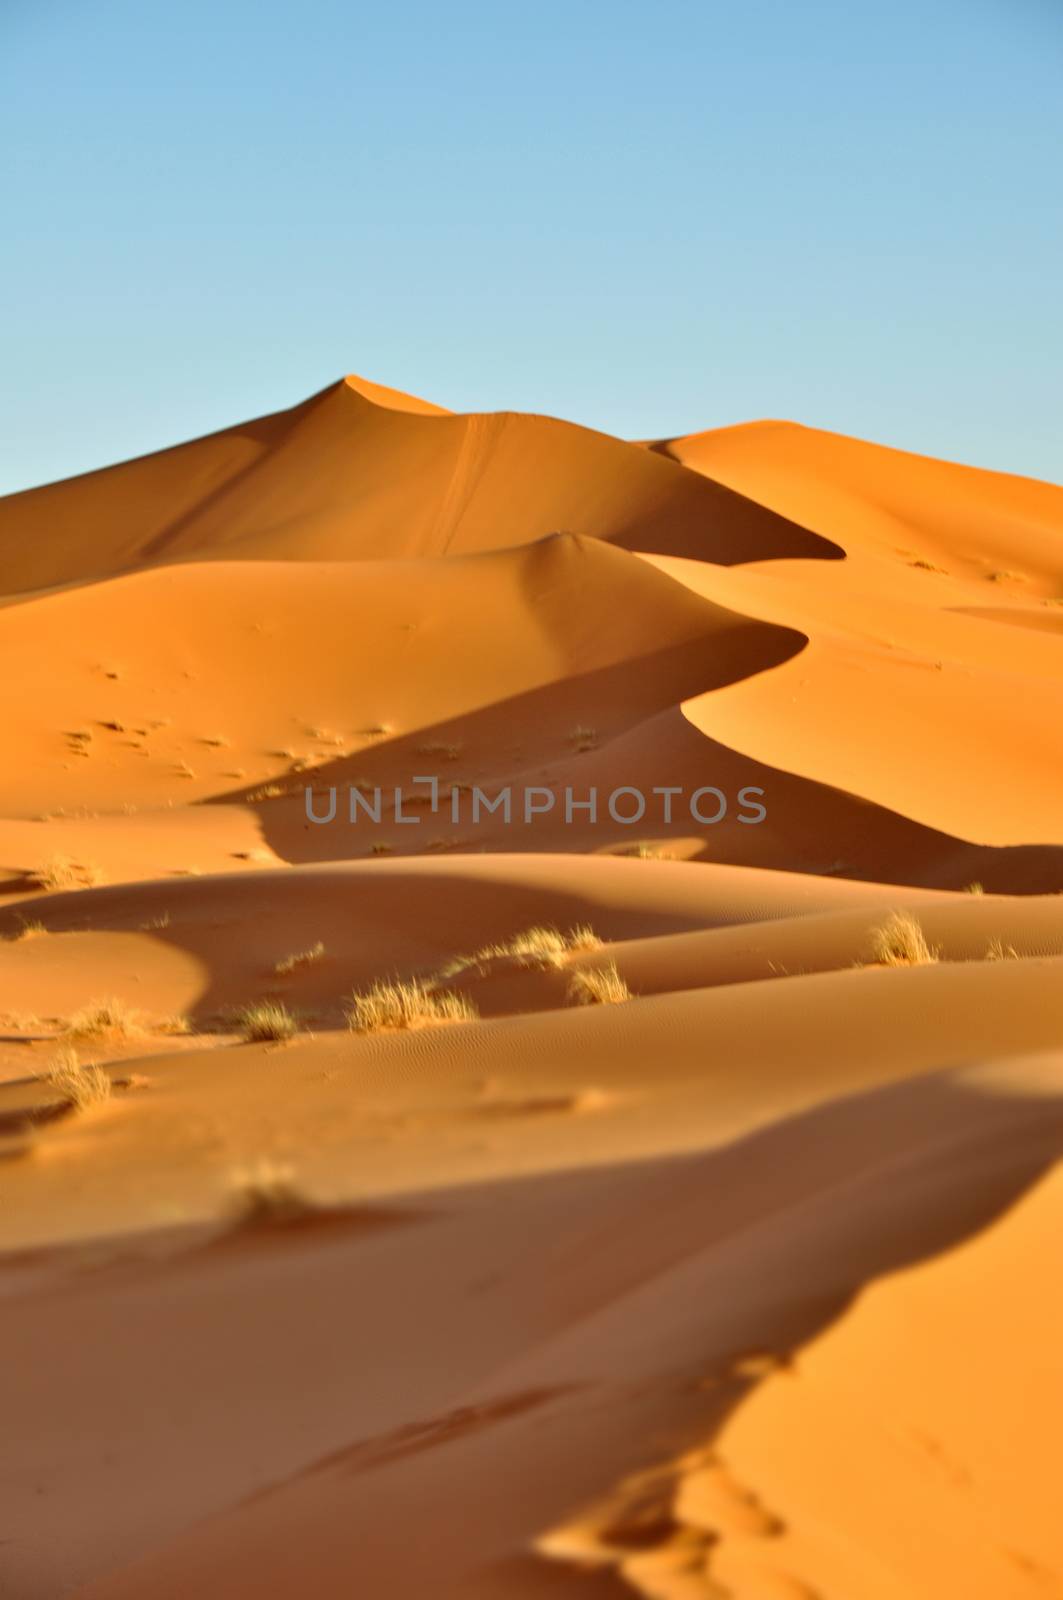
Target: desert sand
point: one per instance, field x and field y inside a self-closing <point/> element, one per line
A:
<point x="741" y="1280"/>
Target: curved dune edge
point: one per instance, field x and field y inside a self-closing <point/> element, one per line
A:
<point x="643" y="1331"/>
<point x="870" y="496"/>
<point x="692" y="1242"/>
<point x="349" y="475"/>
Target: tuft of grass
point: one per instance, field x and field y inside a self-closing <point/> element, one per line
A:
<point x="534" y="947"/>
<point x="647" y="852"/>
<point x="449" y="752"/>
<point x="176" y="1025"/>
<point x="266" y="1194"/>
<point x="266" y="1020"/>
<point x="28" y="930"/>
<point x="302" y="958"/>
<point x="900" y="942"/>
<point x="973" y="888"/>
<point x="60" y="872"/>
<point x="537" y="947"/>
<point x="105" y="1019"/>
<point x="83" y="1087"/>
<point x="413" y="1004"/>
<point x="598" y="986"/>
<point x="926" y="566"/>
<point x="997" y="951"/>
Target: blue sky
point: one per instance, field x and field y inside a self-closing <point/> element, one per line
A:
<point x="647" y="218"/>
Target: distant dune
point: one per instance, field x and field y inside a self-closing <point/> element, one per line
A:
<point x="685" y="1223"/>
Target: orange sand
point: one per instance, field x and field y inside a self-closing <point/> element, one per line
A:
<point x="744" y="1287"/>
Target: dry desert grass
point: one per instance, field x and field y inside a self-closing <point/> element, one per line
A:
<point x="59" y="872"/>
<point x="105" y="1019"/>
<point x="533" y="947"/>
<point x="598" y="986"/>
<point x="266" y="1194"/>
<point x="81" y="1085"/>
<point x="302" y="958"/>
<point x="412" y="1004"/>
<point x="900" y="942"/>
<point x="266" y="1021"/>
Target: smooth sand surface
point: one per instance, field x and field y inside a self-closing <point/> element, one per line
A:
<point x="742" y="1283"/>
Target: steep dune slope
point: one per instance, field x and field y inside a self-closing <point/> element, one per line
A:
<point x="703" y="1254"/>
<point x="862" y="494"/>
<point x="180" y="682"/>
<point x="346" y="475"/>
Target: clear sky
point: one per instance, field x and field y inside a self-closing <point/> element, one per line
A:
<point x="650" y="218"/>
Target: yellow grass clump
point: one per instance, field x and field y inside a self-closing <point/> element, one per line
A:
<point x="266" y="1021"/>
<point x="534" y="947"/>
<point x="413" y="1004"/>
<point x="111" y="1019"/>
<point x="900" y="942"/>
<point x="81" y="1086"/>
<point x="60" y="872"/>
<point x="302" y="958"/>
<point x="266" y="1194"/>
<point x="598" y="986"/>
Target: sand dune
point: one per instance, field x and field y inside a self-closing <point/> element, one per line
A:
<point x="697" y="1238"/>
<point x="345" y="475"/>
<point x="866" y="496"/>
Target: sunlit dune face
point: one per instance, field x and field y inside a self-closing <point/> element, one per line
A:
<point x="531" y="1012"/>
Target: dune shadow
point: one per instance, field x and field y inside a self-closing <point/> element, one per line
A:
<point x="732" y="1261"/>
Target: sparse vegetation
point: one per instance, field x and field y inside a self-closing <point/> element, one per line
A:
<point x="598" y="986"/>
<point x="973" y="888"/>
<point x="449" y="752"/>
<point x="266" y="1194"/>
<point x="926" y="566"/>
<point x="900" y="942"/>
<point x="105" y="1019"/>
<point x="28" y="930"/>
<point x="413" y="1004"/>
<point x="266" y="1021"/>
<point x="82" y="1086"/>
<point x="998" y="951"/>
<point x="534" y="947"/>
<point x="645" y="851"/>
<point x="175" y="1025"/>
<point x="61" y="872"/>
<point x="302" y="958"/>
